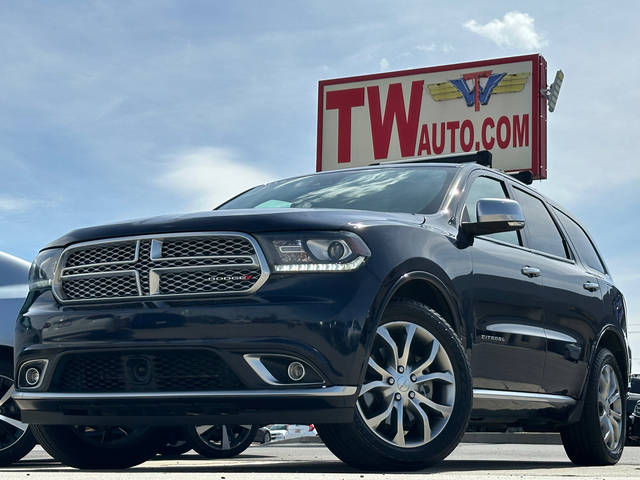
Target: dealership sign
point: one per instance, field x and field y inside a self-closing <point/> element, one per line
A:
<point x="497" y="105"/>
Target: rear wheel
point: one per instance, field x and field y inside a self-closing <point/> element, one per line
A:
<point x="99" y="448"/>
<point x="16" y="439"/>
<point x="220" y="441"/>
<point x="415" y="402"/>
<point x="598" y="438"/>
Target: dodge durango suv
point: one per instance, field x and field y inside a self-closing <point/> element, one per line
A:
<point x="389" y="305"/>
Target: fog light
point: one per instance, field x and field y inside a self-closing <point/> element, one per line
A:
<point x="296" y="371"/>
<point x="32" y="376"/>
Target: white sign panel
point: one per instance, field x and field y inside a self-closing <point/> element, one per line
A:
<point x="491" y="105"/>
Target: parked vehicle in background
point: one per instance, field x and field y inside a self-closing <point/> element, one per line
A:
<point x="382" y="304"/>
<point x="263" y="435"/>
<point x="16" y="439"/>
<point x="633" y="412"/>
<point x="294" y="431"/>
<point x="277" y="432"/>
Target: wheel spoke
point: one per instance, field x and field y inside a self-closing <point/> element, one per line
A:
<point x="14" y="423"/>
<point x="371" y="385"/>
<point x="615" y="429"/>
<point x="374" y="422"/>
<point x="7" y="395"/>
<point x="443" y="410"/>
<point x="426" y="426"/>
<point x="378" y="369"/>
<point x="444" y="376"/>
<point x="225" y="438"/>
<point x="399" y="438"/>
<point x="384" y="334"/>
<point x="616" y="415"/>
<point x="410" y="330"/>
<point x="613" y="397"/>
<point x="206" y="431"/>
<point x="435" y="347"/>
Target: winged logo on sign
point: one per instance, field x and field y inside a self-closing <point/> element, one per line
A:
<point x="478" y="95"/>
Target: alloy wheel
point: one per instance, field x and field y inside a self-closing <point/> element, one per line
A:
<point x="223" y="437"/>
<point x="610" y="407"/>
<point x="11" y="428"/>
<point x="409" y="389"/>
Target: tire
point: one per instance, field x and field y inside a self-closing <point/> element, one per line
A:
<point x="16" y="438"/>
<point x="385" y="446"/>
<point x="99" y="448"/>
<point x="220" y="441"/>
<point x="175" y="444"/>
<point x="267" y="437"/>
<point x="584" y="442"/>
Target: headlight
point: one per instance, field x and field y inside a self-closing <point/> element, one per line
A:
<point x="315" y="251"/>
<point x="43" y="268"/>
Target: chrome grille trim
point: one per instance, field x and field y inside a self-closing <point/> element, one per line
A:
<point x="149" y="289"/>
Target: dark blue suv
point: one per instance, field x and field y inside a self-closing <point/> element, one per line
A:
<point x="389" y="305"/>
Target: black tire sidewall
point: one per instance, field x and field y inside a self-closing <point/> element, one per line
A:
<point x="66" y="446"/>
<point x="451" y="435"/>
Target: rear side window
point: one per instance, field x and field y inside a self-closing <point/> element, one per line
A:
<point x="581" y="242"/>
<point x="487" y="187"/>
<point x="542" y="232"/>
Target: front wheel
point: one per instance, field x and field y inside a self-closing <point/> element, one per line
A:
<point x="415" y="401"/>
<point x="98" y="448"/>
<point x="598" y="438"/>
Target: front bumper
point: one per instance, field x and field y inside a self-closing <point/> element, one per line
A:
<point x="324" y="320"/>
<point x="323" y="404"/>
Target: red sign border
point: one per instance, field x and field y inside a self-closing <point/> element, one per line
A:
<point x="538" y="101"/>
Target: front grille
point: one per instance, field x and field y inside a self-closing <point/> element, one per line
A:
<point x="188" y="370"/>
<point x="156" y="266"/>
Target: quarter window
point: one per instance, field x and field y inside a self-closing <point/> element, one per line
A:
<point x="541" y="231"/>
<point x="487" y="187"/>
<point x="581" y="242"/>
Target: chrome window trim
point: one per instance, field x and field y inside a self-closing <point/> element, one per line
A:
<point x="334" y="391"/>
<point x="259" y="260"/>
<point x="487" y="394"/>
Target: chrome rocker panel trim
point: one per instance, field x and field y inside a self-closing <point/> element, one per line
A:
<point x="559" y="400"/>
<point x="335" y="391"/>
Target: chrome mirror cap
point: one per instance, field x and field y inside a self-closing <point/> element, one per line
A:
<point x="495" y="215"/>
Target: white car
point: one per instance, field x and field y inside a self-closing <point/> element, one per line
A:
<point x="287" y="431"/>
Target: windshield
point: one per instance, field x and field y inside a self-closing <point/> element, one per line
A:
<point x="398" y="189"/>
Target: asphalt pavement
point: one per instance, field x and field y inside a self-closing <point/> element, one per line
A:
<point x="314" y="461"/>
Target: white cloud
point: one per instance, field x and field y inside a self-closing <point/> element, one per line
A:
<point x="384" y="64"/>
<point x="432" y="47"/>
<point x="208" y="176"/>
<point x="427" y="48"/>
<point x="11" y="204"/>
<point x="515" y="30"/>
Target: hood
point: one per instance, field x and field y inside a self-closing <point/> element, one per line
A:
<point x="245" y="221"/>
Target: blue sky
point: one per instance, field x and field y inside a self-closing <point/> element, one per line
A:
<point x="112" y="110"/>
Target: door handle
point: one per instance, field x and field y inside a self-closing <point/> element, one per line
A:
<point x="530" y="271"/>
<point x="591" y="286"/>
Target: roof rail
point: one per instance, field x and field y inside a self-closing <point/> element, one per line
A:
<point x="482" y="157"/>
<point x="525" y="176"/>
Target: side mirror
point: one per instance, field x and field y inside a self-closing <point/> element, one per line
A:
<point x="495" y="215"/>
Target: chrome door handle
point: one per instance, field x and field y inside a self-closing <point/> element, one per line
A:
<point x="591" y="286"/>
<point x="530" y="271"/>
